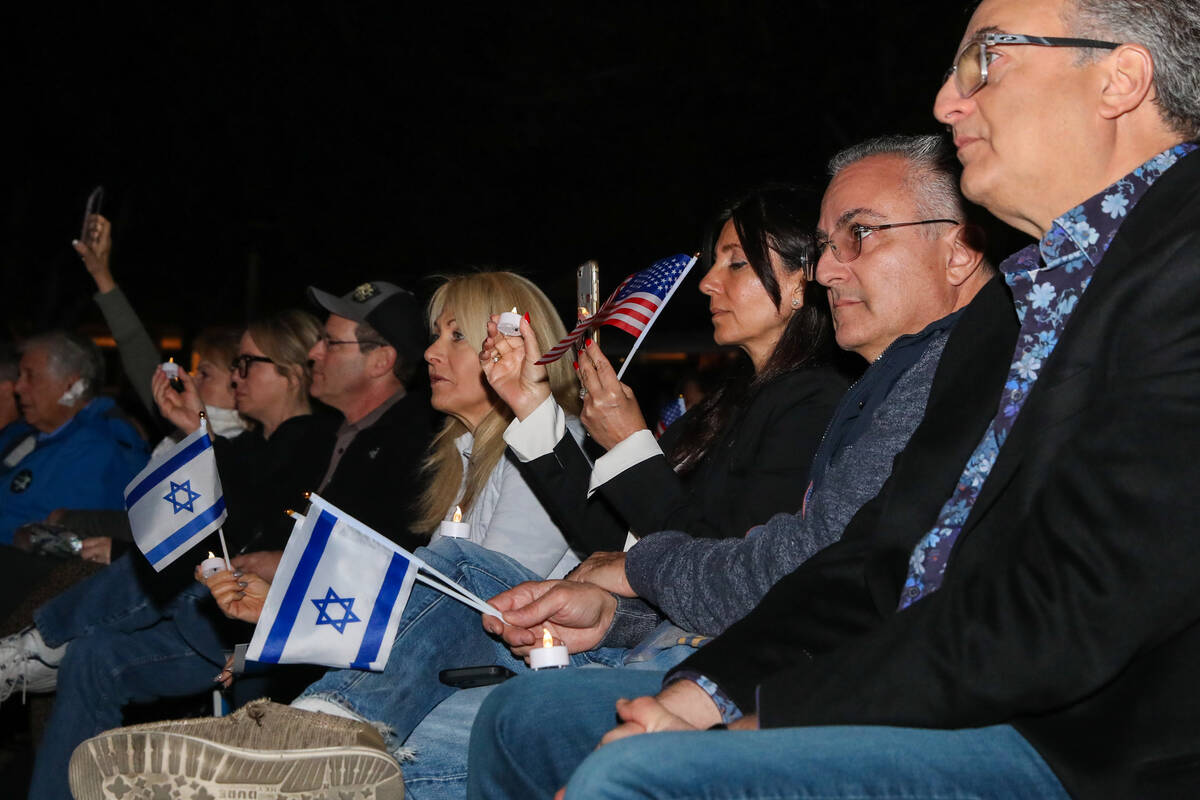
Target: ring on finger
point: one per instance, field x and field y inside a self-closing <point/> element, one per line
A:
<point x="583" y="392"/>
<point x="495" y="359"/>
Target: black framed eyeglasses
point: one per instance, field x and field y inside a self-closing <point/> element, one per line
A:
<point x="846" y="243"/>
<point x="241" y="364"/>
<point x="970" y="69"/>
<point x="325" y="340"/>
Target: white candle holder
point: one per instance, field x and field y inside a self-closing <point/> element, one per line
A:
<point x="510" y="323"/>
<point x="549" y="655"/>
<point x="211" y="566"/>
<point x="454" y="527"/>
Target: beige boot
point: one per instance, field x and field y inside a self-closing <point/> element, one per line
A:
<point x="262" y="750"/>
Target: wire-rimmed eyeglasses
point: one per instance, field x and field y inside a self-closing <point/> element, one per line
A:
<point x="970" y="68"/>
<point x="846" y="243"/>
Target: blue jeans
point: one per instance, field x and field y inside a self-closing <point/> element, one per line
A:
<point x="125" y="648"/>
<point x="436" y="632"/>
<point x="518" y="751"/>
<point x="438" y="769"/>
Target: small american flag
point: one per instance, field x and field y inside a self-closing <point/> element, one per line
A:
<point x="635" y="304"/>
<point x="670" y="412"/>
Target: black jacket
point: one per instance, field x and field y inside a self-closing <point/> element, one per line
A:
<point x="378" y="479"/>
<point x="757" y="468"/>
<point x="1070" y="606"/>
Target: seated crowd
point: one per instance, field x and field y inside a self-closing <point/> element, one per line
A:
<point x="967" y="573"/>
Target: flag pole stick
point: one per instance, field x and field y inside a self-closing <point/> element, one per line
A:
<point x="221" y="530"/>
<point x="475" y="602"/>
<point x="465" y="599"/>
<point x="224" y="547"/>
<point x="653" y="317"/>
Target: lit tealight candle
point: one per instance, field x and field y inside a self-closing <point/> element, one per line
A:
<point x="171" y="370"/>
<point x="211" y="565"/>
<point x="510" y="323"/>
<point x="549" y="655"/>
<point x="455" y="528"/>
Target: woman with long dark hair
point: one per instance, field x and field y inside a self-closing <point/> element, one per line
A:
<point x="740" y="455"/>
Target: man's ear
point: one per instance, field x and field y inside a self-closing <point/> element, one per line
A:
<point x="380" y="361"/>
<point x="966" y="245"/>
<point x="1128" y="80"/>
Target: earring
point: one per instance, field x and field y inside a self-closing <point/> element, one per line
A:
<point x="795" y="302"/>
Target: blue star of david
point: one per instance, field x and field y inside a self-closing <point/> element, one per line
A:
<point x="331" y="599"/>
<point x="189" y="498"/>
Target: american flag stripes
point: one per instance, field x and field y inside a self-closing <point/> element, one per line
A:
<point x="635" y="304"/>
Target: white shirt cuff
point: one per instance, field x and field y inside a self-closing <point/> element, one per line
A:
<point x="539" y="433"/>
<point x="633" y="449"/>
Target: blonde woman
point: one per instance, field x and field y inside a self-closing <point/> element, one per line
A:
<point x="467" y="468"/>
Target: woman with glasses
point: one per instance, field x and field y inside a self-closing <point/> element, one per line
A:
<point x="739" y="456"/>
<point x="268" y="469"/>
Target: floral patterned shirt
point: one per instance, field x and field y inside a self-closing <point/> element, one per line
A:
<point x="1047" y="281"/>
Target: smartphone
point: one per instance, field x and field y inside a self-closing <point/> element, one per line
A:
<point x="94" y="201"/>
<point x="587" y="293"/>
<point x="471" y="677"/>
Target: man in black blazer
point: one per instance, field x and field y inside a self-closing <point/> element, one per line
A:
<point x="1037" y="632"/>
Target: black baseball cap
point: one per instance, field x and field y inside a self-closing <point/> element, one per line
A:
<point x="386" y="307"/>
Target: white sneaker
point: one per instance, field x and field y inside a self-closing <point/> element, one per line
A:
<point x="28" y="664"/>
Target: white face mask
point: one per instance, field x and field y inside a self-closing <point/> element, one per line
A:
<point x="72" y="395"/>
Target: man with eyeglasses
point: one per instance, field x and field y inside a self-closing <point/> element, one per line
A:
<point x="1039" y="634"/>
<point x="362" y="365"/>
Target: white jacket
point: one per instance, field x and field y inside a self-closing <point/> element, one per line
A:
<point x="507" y="517"/>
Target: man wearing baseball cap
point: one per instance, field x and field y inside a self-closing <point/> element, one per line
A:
<point x="362" y="366"/>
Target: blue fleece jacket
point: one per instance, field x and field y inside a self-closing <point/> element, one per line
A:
<point x="84" y="464"/>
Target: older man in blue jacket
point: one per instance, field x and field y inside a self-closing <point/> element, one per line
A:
<point x="71" y="450"/>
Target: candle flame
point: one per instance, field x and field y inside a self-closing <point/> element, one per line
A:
<point x="547" y="639"/>
<point x="171" y="360"/>
<point x="210" y="554"/>
<point x="514" y="310"/>
<point x="457" y="514"/>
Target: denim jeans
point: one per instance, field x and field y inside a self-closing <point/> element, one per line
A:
<point x="112" y="599"/>
<point x="124" y="648"/>
<point x="436" y="632"/>
<point x="438" y="768"/>
<point x="517" y="751"/>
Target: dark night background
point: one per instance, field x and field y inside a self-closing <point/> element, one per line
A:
<point x="250" y="149"/>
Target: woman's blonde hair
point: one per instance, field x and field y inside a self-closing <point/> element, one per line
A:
<point x="473" y="298"/>
<point x="286" y="338"/>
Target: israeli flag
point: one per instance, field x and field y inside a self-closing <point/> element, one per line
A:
<point x="176" y="501"/>
<point x="337" y="595"/>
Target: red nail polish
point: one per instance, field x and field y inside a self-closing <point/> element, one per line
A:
<point x="527" y="316"/>
<point x="587" y="343"/>
<point x="576" y="365"/>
